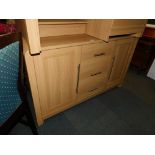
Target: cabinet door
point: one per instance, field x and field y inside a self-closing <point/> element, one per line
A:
<point x="123" y="52"/>
<point x="57" y="78"/>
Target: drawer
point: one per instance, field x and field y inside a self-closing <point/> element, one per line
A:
<point x="94" y="67"/>
<point x="94" y="51"/>
<point x="127" y="26"/>
<point x="91" y="84"/>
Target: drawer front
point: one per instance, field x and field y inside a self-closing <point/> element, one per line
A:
<point x="94" y="67"/>
<point x="91" y="84"/>
<point x="94" y="51"/>
<point x="127" y="26"/>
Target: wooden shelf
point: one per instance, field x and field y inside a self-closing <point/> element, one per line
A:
<point x="54" y="42"/>
<point x="61" y="21"/>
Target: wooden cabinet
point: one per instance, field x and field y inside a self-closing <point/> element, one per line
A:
<point x="56" y="72"/>
<point x="69" y="61"/>
<point x="123" y="52"/>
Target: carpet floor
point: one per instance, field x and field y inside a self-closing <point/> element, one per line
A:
<point x="129" y="110"/>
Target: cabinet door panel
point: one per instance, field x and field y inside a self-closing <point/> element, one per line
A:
<point x="57" y="77"/>
<point x="124" y="49"/>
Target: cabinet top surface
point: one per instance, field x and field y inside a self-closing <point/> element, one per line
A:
<point x="48" y="43"/>
<point x="61" y="21"/>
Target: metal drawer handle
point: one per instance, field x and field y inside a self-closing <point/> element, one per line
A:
<point x="93" y="90"/>
<point x="111" y="69"/>
<point x="78" y="76"/>
<point x="96" y="74"/>
<point x="100" y="54"/>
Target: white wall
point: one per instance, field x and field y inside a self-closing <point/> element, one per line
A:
<point x="151" y="72"/>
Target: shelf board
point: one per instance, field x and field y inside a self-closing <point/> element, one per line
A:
<point x="61" y="21"/>
<point x="53" y="42"/>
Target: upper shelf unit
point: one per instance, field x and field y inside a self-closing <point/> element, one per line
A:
<point x="39" y="33"/>
<point x="59" y="27"/>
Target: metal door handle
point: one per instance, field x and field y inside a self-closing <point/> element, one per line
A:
<point x="78" y="76"/>
<point x="100" y="54"/>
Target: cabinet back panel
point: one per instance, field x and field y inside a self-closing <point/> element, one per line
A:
<point x="58" y="30"/>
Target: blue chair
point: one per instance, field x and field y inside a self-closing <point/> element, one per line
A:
<point x="13" y="100"/>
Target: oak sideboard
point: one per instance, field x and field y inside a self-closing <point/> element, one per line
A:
<point x="69" y="61"/>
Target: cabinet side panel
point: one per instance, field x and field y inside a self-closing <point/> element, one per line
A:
<point x="99" y="28"/>
<point x="33" y="86"/>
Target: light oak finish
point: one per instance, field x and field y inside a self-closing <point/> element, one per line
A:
<point x="68" y="62"/>
<point x="123" y="50"/>
<point x="33" y="35"/>
<point x="127" y="26"/>
<point x="61" y="21"/>
<point x="91" y="84"/>
<point x="97" y="50"/>
<point x="29" y="60"/>
<point x="130" y="55"/>
<point x="95" y="65"/>
<point x="99" y="28"/>
<point x="34" y="86"/>
<point x="48" y="43"/>
<point x="61" y="27"/>
<point x="57" y="77"/>
<point x="104" y="28"/>
<point x="96" y="59"/>
<point x="59" y="30"/>
<point x="30" y="35"/>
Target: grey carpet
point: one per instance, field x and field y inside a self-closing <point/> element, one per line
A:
<point x="129" y="110"/>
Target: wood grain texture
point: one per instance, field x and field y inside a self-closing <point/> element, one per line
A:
<point x="96" y="59"/>
<point x="33" y="35"/>
<point x="127" y="26"/>
<point x="104" y="28"/>
<point x="123" y="51"/>
<point x="59" y="30"/>
<point x="66" y="41"/>
<point x="99" y="28"/>
<point x="91" y="84"/>
<point x="53" y="73"/>
<point x="34" y="86"/>
<point x="57" y="77"/>
<point x="95" y="67"/>
<point x="61" y="21"/>
<point x="92" y="51"/>
<point x="130" y="55"/>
